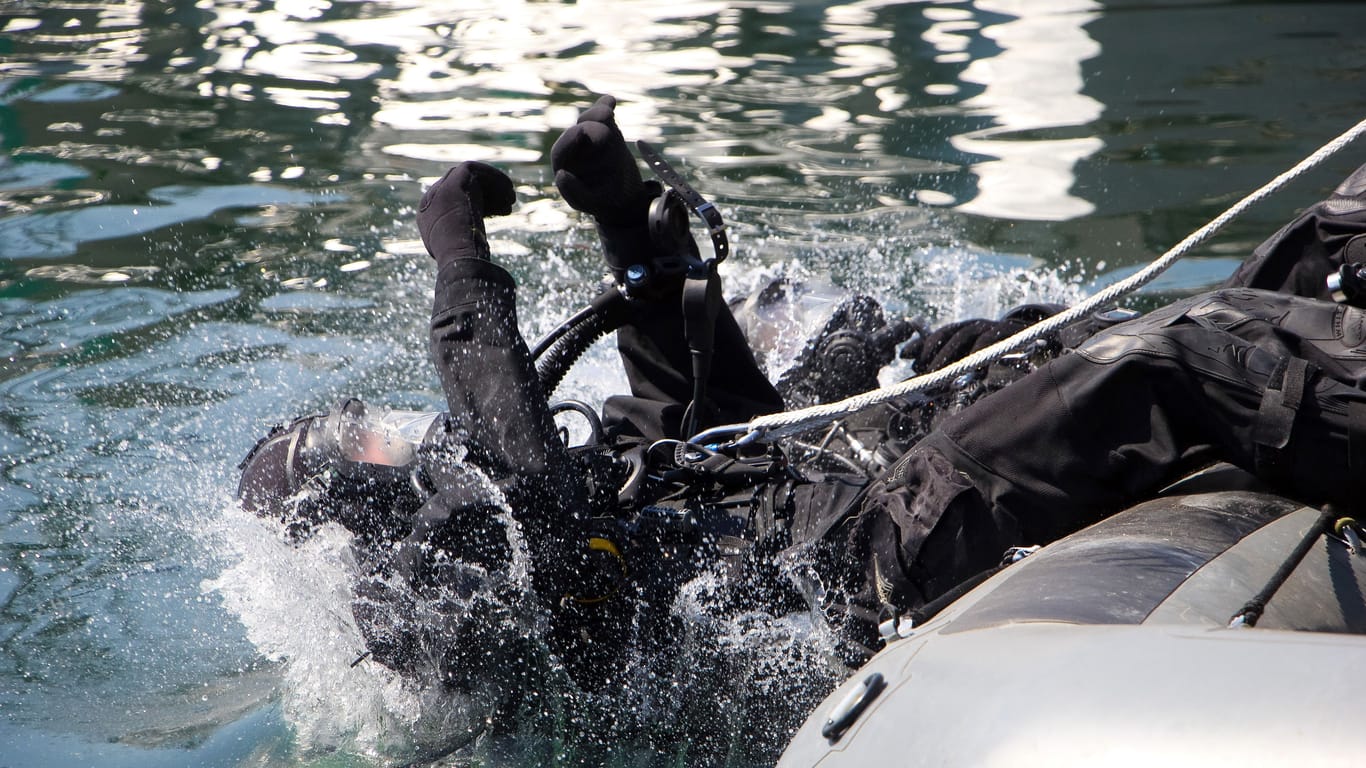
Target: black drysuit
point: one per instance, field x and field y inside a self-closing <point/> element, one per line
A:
<point x="1250" y="374"/>
<point x="500" y="415"/>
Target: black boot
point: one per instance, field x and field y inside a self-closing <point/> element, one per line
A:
<point x="1299" y="257"/>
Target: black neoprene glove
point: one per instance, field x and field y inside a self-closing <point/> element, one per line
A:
<point x="951" y="343"/>
<point x="597" y="174"/>
<point x="451" y="215"/>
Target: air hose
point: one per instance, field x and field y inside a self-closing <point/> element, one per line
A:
<point x="561" y="348"/>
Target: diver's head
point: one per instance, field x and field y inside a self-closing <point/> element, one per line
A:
<point x="347" y="466"/>
<point x="275" y="471"/>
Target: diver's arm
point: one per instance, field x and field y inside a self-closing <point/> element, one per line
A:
<point x="498" y="412"/>
<point x="658" y="363"/>
<point x="486" y="373"/>
<point x="596" y="174"/>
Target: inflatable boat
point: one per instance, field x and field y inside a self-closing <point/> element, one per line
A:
<point x="1215" y="625"/>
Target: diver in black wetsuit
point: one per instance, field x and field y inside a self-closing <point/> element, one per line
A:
<point x="499" y="439"/>
<point x="1251" y="374"/>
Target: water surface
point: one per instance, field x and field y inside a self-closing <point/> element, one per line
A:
<point x="206" y="228"/>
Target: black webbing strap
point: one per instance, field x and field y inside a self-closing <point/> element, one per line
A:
<point x="1276" y="416"/>
<point x="772" y="510"/>
<point x="695" y="201"/>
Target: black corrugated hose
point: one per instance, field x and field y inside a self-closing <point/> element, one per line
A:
<point x="561" y="348"/>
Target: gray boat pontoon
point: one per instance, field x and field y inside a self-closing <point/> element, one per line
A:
<point x="1129" y="643"/>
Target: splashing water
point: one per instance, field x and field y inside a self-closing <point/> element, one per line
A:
<point x="958" y="282"/>
<point x="756" y="671"/>
<point x="729" y="683"/>
<point x="209" y="215"/>
<point x="295" y="602"/>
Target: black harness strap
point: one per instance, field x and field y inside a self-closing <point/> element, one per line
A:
<point x="699" y="205"/>
<point x="771" y="510"/>
<point x="1276" y="416"/>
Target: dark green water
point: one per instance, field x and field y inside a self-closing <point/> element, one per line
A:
<point x="206" y="227"/>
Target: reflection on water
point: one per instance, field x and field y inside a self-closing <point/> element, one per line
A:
<point x="1033" y="83"/>
<point x="206" y="228"/>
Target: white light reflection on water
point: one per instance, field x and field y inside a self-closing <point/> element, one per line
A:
<point x="1033" y="84"/>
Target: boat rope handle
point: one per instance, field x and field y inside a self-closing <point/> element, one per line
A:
<point x="1252" y="610"/>
<point x="772" y="427"/>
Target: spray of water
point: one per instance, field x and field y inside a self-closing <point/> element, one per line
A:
<point x="295" y="602"/>
<point x="726" y="683"/>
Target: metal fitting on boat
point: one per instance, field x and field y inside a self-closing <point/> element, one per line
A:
<point x="1348" y="284"/>
<point x="1016" y="554"/>
<point x="1350" y="532"/>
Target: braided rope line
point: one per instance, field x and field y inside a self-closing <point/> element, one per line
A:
<point x="775" y="426"/>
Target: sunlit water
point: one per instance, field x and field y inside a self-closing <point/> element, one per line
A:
<point x="206" y="228"/>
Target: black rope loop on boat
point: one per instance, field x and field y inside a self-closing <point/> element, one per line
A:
<point x="1252" y="610"/>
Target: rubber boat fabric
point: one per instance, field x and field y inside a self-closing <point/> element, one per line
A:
<point x="1112" y="646"/>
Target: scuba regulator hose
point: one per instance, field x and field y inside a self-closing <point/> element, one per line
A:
<point x="562" y="347"/>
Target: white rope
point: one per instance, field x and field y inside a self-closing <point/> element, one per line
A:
<point x="778" y="425"/>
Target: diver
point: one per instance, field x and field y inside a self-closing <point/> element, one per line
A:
<point x="1264" y="373"/>
<point x="427" y="519"/>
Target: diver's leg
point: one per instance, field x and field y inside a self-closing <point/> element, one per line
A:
<point x="596" y="174"/>
<point x="1299" y="257"/>
<point x="1215" y="378"/>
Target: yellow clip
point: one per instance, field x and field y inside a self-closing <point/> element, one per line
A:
<point x="599" y="544"/>
<point x="605" y="545"/>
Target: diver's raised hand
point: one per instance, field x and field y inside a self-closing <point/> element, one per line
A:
<point x="451" y="215"/>
<point x="595" y="171"/>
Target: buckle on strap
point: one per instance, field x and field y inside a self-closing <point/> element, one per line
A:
<point x="698" y="204"/>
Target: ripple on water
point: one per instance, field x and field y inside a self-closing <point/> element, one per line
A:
<point x="59" y="325"/>
<point x="60" y="233"/>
